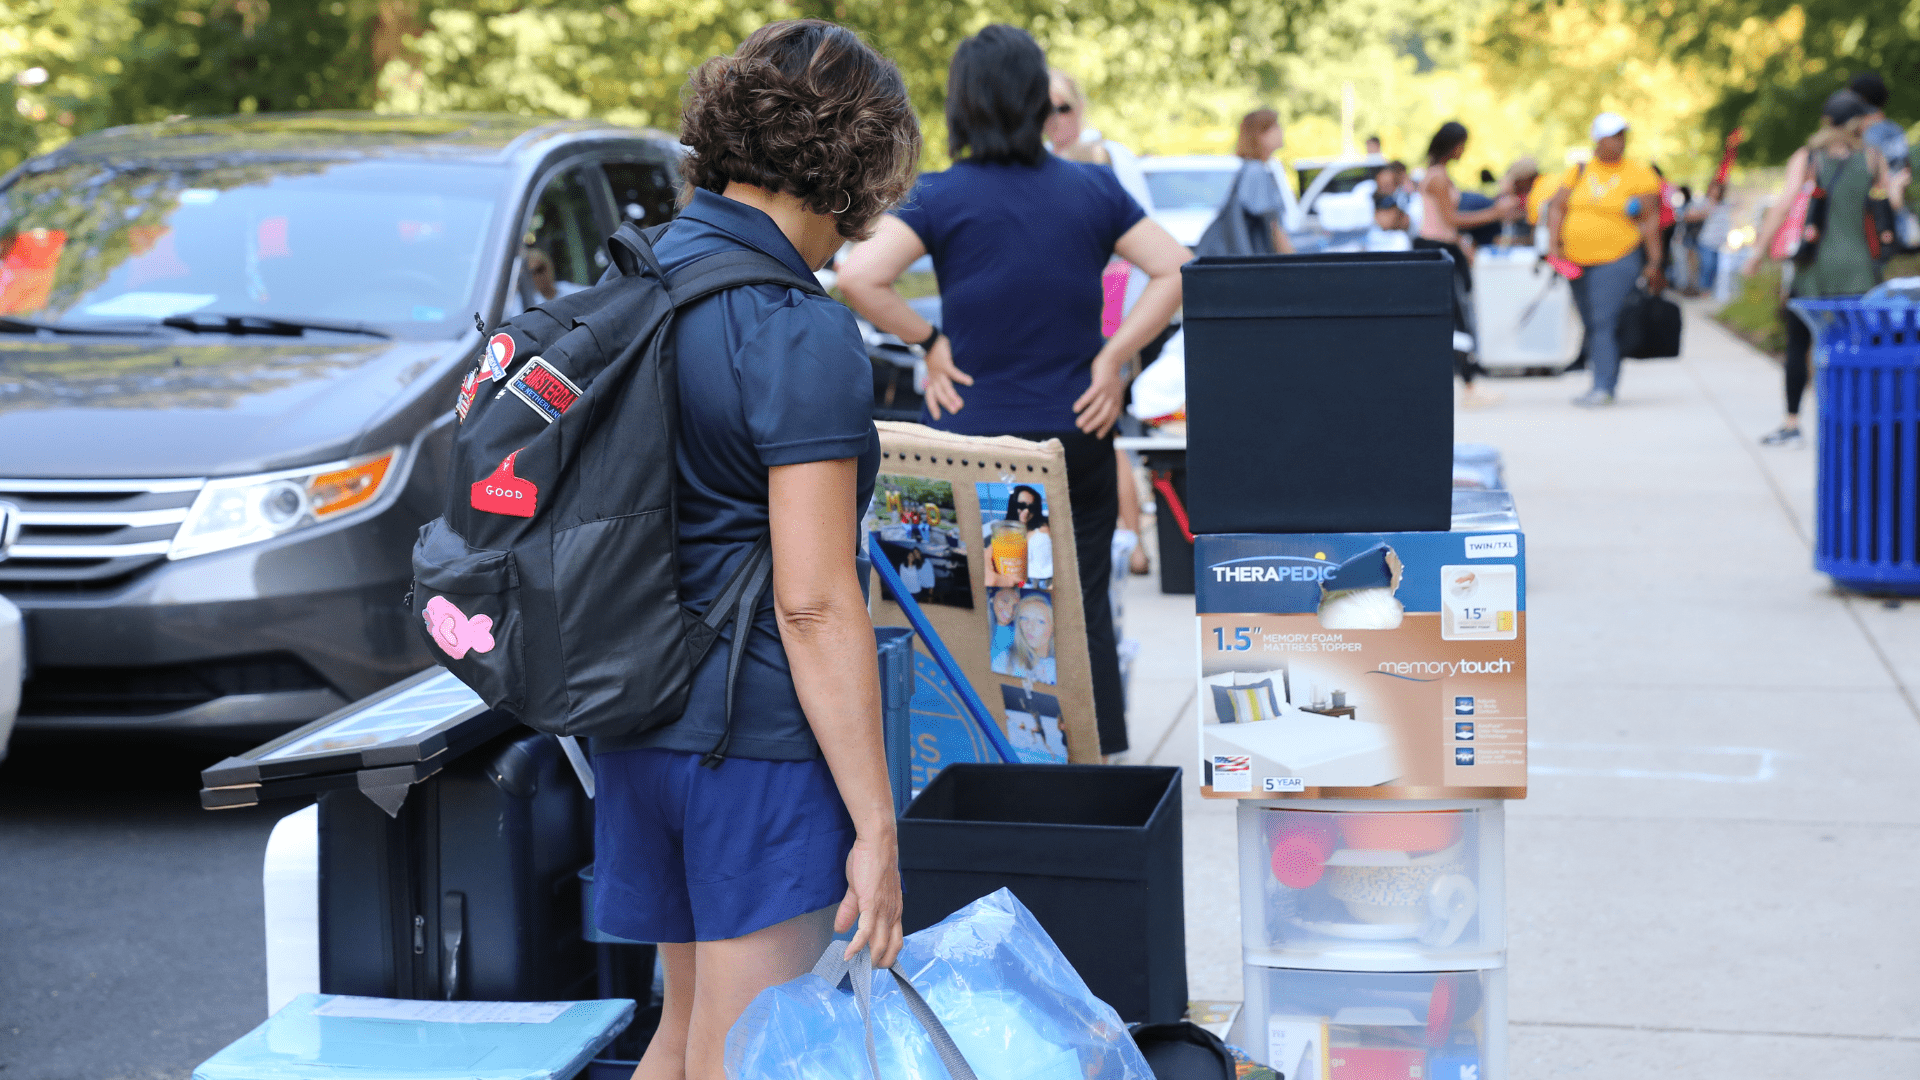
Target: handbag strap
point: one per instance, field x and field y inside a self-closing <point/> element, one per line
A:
<point x="835" y="967"/>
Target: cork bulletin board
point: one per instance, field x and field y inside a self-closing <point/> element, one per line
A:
<point x="981" y="530"/>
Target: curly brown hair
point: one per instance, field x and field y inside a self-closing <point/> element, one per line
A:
<point x="806" y="108"/>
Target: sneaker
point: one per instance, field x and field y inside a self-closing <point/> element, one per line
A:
<point x="1786" y="436"/>
<point x="1593" y="399"/>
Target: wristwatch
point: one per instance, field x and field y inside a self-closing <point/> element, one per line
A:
<point x="931" y="338"/>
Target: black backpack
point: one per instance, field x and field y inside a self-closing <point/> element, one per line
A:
<point x="550" y="585"/>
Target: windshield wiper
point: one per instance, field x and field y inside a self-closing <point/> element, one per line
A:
<point x="10" y="324"/>
<point x="275" y="325"/>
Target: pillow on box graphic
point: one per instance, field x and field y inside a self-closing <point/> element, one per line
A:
<point x="1245" y="704"/>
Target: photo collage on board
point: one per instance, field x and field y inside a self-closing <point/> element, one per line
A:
<point x="920" y="533"/>
<point x="1019" y="580"/>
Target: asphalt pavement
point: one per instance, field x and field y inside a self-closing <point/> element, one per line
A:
<point x="131" y="937"/>
<point x="1716" y="872"/>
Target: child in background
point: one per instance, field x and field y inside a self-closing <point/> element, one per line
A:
<point x="1390" y="224"/>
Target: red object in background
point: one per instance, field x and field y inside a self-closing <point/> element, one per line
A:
<point x="1376" y="1063"/>
<point x="1734" y="139"/>
<point x="1300" y="853"/>
<point x="26" y="273"/>
<point x="272" y="236"/>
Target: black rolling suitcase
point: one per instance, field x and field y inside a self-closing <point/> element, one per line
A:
<point x="470" y="891"/>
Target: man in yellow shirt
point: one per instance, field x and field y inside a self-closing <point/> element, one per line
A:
<point x="1605" y="218"/>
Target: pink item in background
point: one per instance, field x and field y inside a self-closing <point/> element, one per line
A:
<point x="1113" y="295"/>
<point x="1564" y="267"/>
<point x="454" y="632"/>
<point x="1300" y="853"/>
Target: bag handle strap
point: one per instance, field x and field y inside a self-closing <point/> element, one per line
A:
<point x="736" y="604"/>
<point x="834" y="967"/>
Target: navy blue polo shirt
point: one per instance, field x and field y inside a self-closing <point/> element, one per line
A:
<point x="768" y="376"/>
<point x="1018" y="250"/>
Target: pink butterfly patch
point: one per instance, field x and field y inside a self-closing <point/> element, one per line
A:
<point x="454" y="632"/>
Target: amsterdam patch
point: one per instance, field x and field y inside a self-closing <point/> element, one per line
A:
<point x="541" y="385"/>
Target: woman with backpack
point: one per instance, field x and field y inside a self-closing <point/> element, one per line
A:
<point x="1019" y="238"/>
<point x="799" y="141"/>
<point x="1836" y="161"/>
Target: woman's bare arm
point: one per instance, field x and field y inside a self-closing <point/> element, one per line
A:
<point x="830" y="647"/>
<point x="866" y="280"/>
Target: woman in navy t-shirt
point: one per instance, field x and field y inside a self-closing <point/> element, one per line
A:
<point x="798" y="142"/>
<point x="1019" y="238"/>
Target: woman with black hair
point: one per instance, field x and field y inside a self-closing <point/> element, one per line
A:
<point x="1441" y="222"/>
<point x="742" y="868"/>
<point x="1019" y="238"/>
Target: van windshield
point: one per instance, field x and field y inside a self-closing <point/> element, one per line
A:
<point x="397" y="245"/>
<point x="1190" y="189"/>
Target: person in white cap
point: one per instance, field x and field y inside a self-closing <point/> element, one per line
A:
<point x="1605" y="219"/>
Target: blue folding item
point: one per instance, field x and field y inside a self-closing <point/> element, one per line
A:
<point x="331" y="1037"/>
<point x="901" y="595"/>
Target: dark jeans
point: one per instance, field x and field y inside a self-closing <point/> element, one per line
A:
<point x="1600" y="293"/>
<point x="1799" y="349"/>
<point x="1093" y="486"/>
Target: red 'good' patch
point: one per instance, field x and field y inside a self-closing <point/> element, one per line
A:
<point x="505" y="493"/>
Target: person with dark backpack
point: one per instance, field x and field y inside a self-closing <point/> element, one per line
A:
<point x="636" y="464"/>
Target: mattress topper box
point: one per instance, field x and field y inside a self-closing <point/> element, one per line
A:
<point x="1362" y="665"/>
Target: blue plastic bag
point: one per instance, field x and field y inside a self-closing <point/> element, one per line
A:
<point x="991" y="977"/>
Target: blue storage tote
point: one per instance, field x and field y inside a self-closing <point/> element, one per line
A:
<point x="1867" y="518"/>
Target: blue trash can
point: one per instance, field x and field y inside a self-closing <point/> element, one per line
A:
<point x="1867" y="521"/>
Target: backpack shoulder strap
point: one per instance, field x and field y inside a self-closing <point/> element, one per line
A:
<point x="725" y="270"/>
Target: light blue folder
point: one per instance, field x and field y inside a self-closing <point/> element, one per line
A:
<point x="297" y="1044"/>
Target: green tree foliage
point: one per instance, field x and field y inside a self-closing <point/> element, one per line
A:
<point x="208" y="57"/>
<point x="1148" y="59"/>
<point x="1773" y="62"/>
<point x="58" y="60"/>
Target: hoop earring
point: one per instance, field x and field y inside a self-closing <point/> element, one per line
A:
<point x="848" y="206"/>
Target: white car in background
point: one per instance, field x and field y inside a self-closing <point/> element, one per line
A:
<point x="1187" y="192"/>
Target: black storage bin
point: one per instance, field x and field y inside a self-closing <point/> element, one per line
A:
<point x="471" y="891"/>
<point x="1092" y="850"/>
<point x="1320" y="392"/>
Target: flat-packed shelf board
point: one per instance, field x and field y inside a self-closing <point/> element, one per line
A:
<point x="401" y="734"/>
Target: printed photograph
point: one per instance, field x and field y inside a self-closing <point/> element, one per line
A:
<point x="1033" y="725"/>
<point x="1022" y="641"/>
<point x="920" y="533"/>
<point x="1013" y="526"/>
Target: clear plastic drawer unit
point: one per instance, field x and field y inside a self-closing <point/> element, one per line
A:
<point x="1380" y="1025"/>
<point x="1357" y="884"/>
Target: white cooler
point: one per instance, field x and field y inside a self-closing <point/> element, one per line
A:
<point x="1525" y="312"/>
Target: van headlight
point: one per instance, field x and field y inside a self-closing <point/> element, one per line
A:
<point x="235" y="510"/>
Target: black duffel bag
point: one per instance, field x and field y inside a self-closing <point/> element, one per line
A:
<point x="1649" y="326"/>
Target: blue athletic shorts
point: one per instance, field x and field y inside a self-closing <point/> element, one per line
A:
<point x="685" y="853"/>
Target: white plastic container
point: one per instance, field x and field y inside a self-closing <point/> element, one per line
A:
<point x="1427" y="1025"/>
<point x="1371" y="885"/>
<point x="290" y="880"/>
<point x="1524" y="312"/>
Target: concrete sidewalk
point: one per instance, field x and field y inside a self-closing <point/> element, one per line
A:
<point x="1717" y="870"/>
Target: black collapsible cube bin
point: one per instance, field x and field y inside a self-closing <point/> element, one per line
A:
<point x="1320" y="393"/>
<point x="1092" y="850"/>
